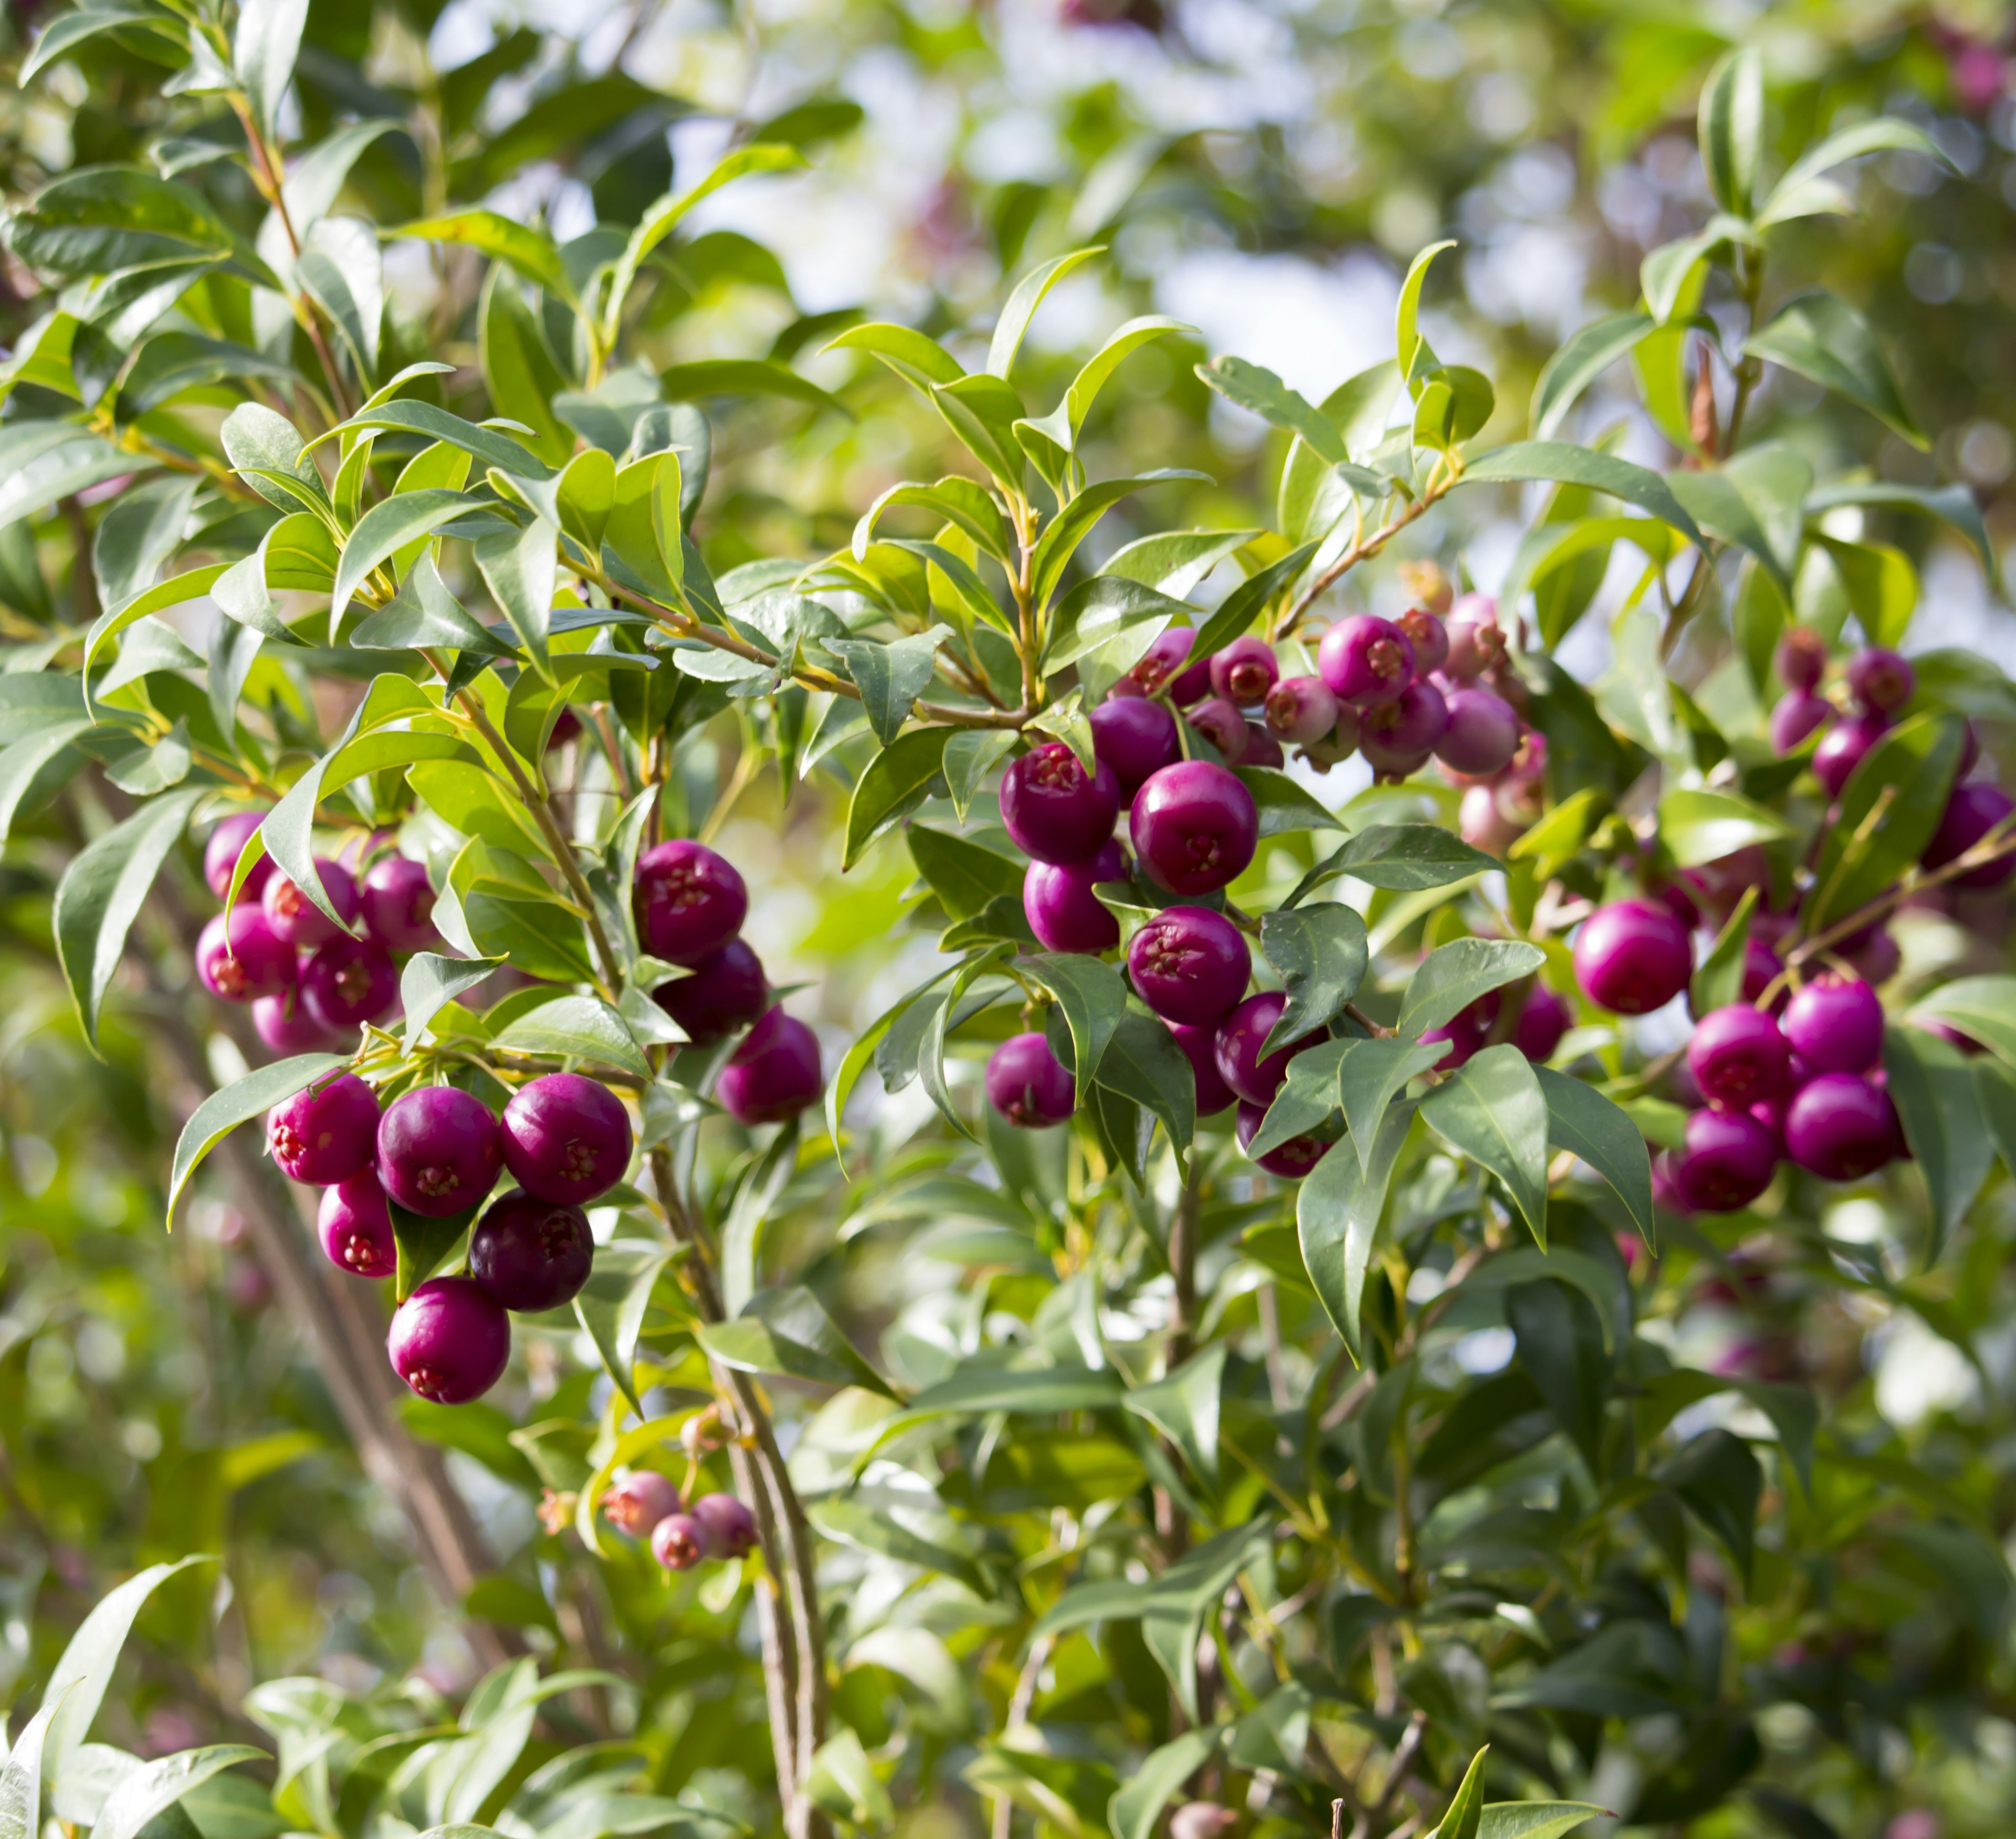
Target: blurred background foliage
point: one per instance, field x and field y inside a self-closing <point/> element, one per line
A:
<point x="1263" y="170"/>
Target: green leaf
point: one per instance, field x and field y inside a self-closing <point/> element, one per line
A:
<point x="1099" y="611"/>
<point x="1337" y="1219"/>
<point x="1408" y="342"/>
<point x="982" y="410"/>
<point x="1932" y="1083"/>
<point x="843" y="1782"/>
<point x="157" y="1786"/>
<point x="1369" y="1073"/>
<point x="1143" y="1064"/>
<point x="1561" y="1345"/>
<point x="101" y="895"/>
<point x="1281" y="804"/>
<point x="63" y="35"/>
<point x="43" y="462"/>
<point x="430" y="983"/>
<point x="575" y="1027"/>
<point x="970" y="756"/>
<point x="1492" y="1110"/>
<point x="489" y="447"/>
<point x="1261" y="393"/>
<point x="1881" y="586"/>
<point x="263" y="53"/>
<point x="1908" y="774"/>
<point x="1819" y="337"/>
<point x="915" y="358"/>
<point x="756" y="1197"/>
<point x="1453" y="976"/>
<point x="703" y="377"/>
<point x="424" y="614"/>
<point x="964" y="874"/>
<point x="611" y="1307"/>
<point x="1793" y="195"/>
<point x="1402" y="858"/>
<point x="1092" y="997"/>
<point x="1721" y="1482"/>
<point x="1699" y="825"/>
<point x="1175" y="561"/>
<point x="1184" y="1407"/>
<point x="518" y="369"/>
<point x="530" y="253"/>
<point x="1569" y="464"/>
<point x="1240" y="607"/>
<point x="1719" y="982"/>
<point x="1955" y="504"/>
<point x="1321" y="953"/>
<point x="788" y="1331"/>
<point x="856" y="1523"/>
<point x="222" y="1112"/>
<point x="1073" y="523"/>
<point x="1022" y="305"/>
<point x="1730" y="128"/>
<point x="1465" y="1812"/>
<point x="519" y="567"/>
<point x="390" y="525"/>
<point x="1036" y="1392"/>
<point x="21" y="1774"/>
<point x="1120" y="344"/>
<point x="23" y="764"/>
<point x="1579" y="362"/>
<point x="897" y="781"/>
<point x="890" y="675"/>
<point x="1133" y="1811"/>
<point x="1583" y="1121"/>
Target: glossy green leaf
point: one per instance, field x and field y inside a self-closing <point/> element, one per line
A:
<point x="1578" y="363"/>
<point x="788" y="1331"/>
<point x="1453" y="976"/>
<point x="223" y="1111"/>
<point x="1493" y="1111"/>
<point x="575" y="1027"/>
<point x="1143" y="1064"/>
<point x="1337" y="1213"/>
<point x="1697" y="825"/>
<point x="897" y="781"/>
<point x="1134" y="1811"/>
<point x="1822" y="338"/>
<point x="1239" y="608"/>
<point x="1261" y="392"/>
<point x="1321" y="953"/>
<point x="1569" y="464"/>
<point x="891" y="674"/>
<point x="1281" y="804"/>
<point x="1092" y="997"/>
<point x="1730" y="127"/>
<point x="1014" y="323"/>
<point x="429" y="983"/>
<point x="1932" y="1086"/>
<point x="1887" y="812"/>
<point x="527" y="251"/>
<point x="1073" y="523"/>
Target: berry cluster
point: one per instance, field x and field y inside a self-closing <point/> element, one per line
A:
<point x="690" y="902"/>
<point x="312" y="984"/>
<point x="645" y="1505"/>
<point x="437" y="1151"/>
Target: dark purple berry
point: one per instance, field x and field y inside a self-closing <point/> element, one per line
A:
<point x="1365" y="659"/>
<point x="1877" y="958"/>
<point x="1482" y="731"/>
<point x="1261" y="749"/>
<point x="1738" y="1057"/>
<point x="324" y="1134"/>
<point x="1055" y="810"/>
<point x="729" y="1527"/>
<point x="438" y="1151"/>
<point x="243" y="958"/>
<point x="398" y="903"/>
<point x="1402" y="730"/>
<point x="1464" y="1036"/>
<point x="1240" y="1064"/>
<point x="565" y="1138"/>
<point x="283" y="1023"/>
<point x="1195" y="827"/>
<point x="1835" y="1024"/>
<point x="1199" y="1046"/>
<point x="774" y="1074"/>
<point x="1633" y="957"/>
<point x="1301" y="709"/>
<point x="690" y="901"/>
<point x="449" y="1341"/>
<point x="1428" y="636"/>
<point x="1796" y="714"/>
<point x="1971" y="812"/>
<point x="354" y="1228"/>
<point x="1801" y="658"/>
<point x="1476" y="640"/>
<point x="1220" y="722"/>
<point x="221" y="854"/>
<point x="1290" y="1161"/>
<point x="639" y="1501"/>
<point x="1189" y="965"/>
<point x="530" y="1255"/>
<point x="1061" y="906"/>
<point x="1541" y="1022"/>
<point x="1730" y="1161"/>
<point x="1026" y="1084"/>
<point x="1192" y="684"/>
<point x="678" y="1541"/>
<point x="726" y="992"/>
<point x="1842" y="747"/>
<point x="1881" y="681"/>
<point x="1134" y="737"/>
<point x="346" y="982"/>
<point x="1841" y="1127"/>
<point x="1762" y="967"/>
<point x="1162" y="660"/>
<point x="296" y="918"/>
<point x="1245" y="670"/>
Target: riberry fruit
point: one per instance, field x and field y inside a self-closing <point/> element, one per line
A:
<point x="438" y="1151"/>
<point x="1365" y="659"/>
<point x="1795" y="716"/>
<point x="1843" y="746"/>
<point x="324" y="1134"/>
<point x="1481" y="734"/>
<point x="398" y="903"/>
<point x="1252" y="1076"/>
<point x="639" y="1501"/>
<point x="1134" y="737"/>
<point x="283" y="1023"/>
<point x="1632" y="956"/>
<point x="729" y="1527"/>
<point x="1195" y="827"/>
<point x="449" y="1342"/>
<point x="1261" y="749"/>
<point x="1841" y="1127"/>
<point x="678" y="1541"/>
<point x="346" y="982"/>
<point x="1428" y="636"/>
<point x="727" y="991"/>
<point x="221" y="854"/>
<point x="1026" y="1084"/>
<point x="1801" y="658"/>
<point x="1542" y="1021"/>
<point x="1476" y="640"/>
<point x="1738" y="1057"/>
<point x="355" y="1229"/>
<point x="1302" y="709"/>
<point x="1835" y="1024"/>
<point x="1189" y="965"/>
<point x="774" y="1074"/>
<point x="1055" y="810"/>
<point x="296" y="918"/>
<point x="530" y="1255"/>
<point x="690" y="901"/>
<point x="1730" y="1161"/>
<point x="1199" y="1046"/>
<point x="1245" y="670"/>
<point x="1061" y="906"/>
<point x="1290" y="1161"/>
<point x="1971" y="812"/>
<point x="565" y="1138"/>
<point x="1401" y="732"/>
<point x="243" y="958"/>
<point x="1219" y="721"/>
<point x="1880" y="680"/>
<point x="1163" y="659"/>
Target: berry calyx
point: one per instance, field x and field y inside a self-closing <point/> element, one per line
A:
<point x="438" y="1151"/>
<point x="1481" y="733"/>
<point x="690" y="901"/>
<point x="678" y="1541"/>
<point x="1245" y="670"/>
<point x="1880" y="680"/>
<point x="1365" y="659"/>
<point x="1253" y="1077"/>
<point x="1301" y="709"/>
<point x="221" y="854"/>
<point x="1055" y="810"/>
<point x="1026" y="1084"/>
<point x="1835" y="1024"/>
<point x="1428" y="636"/>
<point x="1199" y="1046"/>
<point x="728" y="1527"/>
<point x="1476" y="640"/>
<point x="294" y="917"/>
<point x="242" y="958"/>
<point x="1189" y="965"/>
<point x="346" y="982"/>
<point x="565" y="1138"/>
<point x="1728" y="1161"/>
<point x="397" y="902"/>
<point x="1162" y="660"/>
<point x="1633" y="957"/>
<point x="1061" y="906"/>
<point x="1195" y="827"/>
<point x="774" y="1074"/>
<point x="1217" y="719"/>
<point x="1801" y="658"/>
<point x="449" y="1341"/>
<point x="1134" y="737"/>
<point x="639" y="1501"/>
<point x="354" y="1228"/>
<point x="530" y="1255"/>
<point x="1738" y="1057"/>
<point x="1841" y="1127"/>
<point x="726" y="992"/>
<point x="324" y="1134"/>
<point x="1290" y="1161"/>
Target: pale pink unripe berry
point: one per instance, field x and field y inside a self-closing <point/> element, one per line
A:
<point x="1245" y="670"/>
<point x="1217" y="719"/>
<point x="1301" y="709"/>
<point x="1880" y="680"/>
<point x="639" y="1501"/>
<point x="1801" y="658"/>
<point x="1796" y="714"/>
<point x="678" y="1541"/>
<point x="1476" y="641"/>
<point x="1365" y="659"/>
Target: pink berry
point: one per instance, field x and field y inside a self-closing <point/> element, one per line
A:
<point x="1401" y="731"/>
<point x="1252" y="1077"/>
<point x="1543" y="1022"/>
<point x="243" y="958"/>
<point x="1199" y="1046"/>
<point x="530" y="1255"/>
<point x="1762" y="967"/>
<point x="1483" y="824"/>
<point x="1633" y="957"/>
<point x="283" y="1023"/>
<point x="1842" y="747"/>
<point x="1481" y="733"/>
<point x="1195" y="827"/>
<point x="346" y="982"/>
<point x="774" y="1074"/>
<point x="1055" y="811"/>
<point x="1476" y="641"/>
<point x="1245" y="670"/>
<point x="1428" y="636"/>
<point x="1971" y="812"/>
<point x="729" y="1527"/>
<point x="1730" y="1161"/>
<point x="1464" y="1038"/>
<point x="1841" y="1127"/>
<point x="1192" y="684"/>
<point x="1738" y="1057"/>
<point x="1027" y="1084"/>
<point x="324" y="1134"/>
<point x="355" y="1229"/>
<point x="1835" y="1024"/>
<point x="1332" y="749"/>
<point x="296" y="918"/>
<point x="565" y="1138"/>
<point x="1290" y="1161"/>
<point x="690" y="901"/>
<point x="1134" y="737"/>
<point x="438" y="1151"/>
<point x="1220" y="722"/>
<point x="449" y="1342"/>
<point x="678" y="1541"/>
<point x="1796" y="715"/>
<point x="1261" y="749"/>
<point x="726" y="992"/>
<point x="1061" y="906"/>
<point x="1301" y="709"/>
<point x="221" y="854"/>
<point x="1189" y="965"/>
<point x="639" y="1501"/>
<point x="1162" y="660"/>
<point x="397" y="902"/>
<point x="1666" y="1194"/>
<point x="1880" y="680"/>
<point x="1365" y="659"/>
<point x="1801" y="658"/>
<point x="1201" y="1819"/>
<point x="1945" y="1032"/>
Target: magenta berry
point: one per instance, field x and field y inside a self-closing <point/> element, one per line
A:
<point x="1199" y="1046"/>
<point x="1428" y="636"/>
<point x="639" y="1501"/>
<point x="729" y="1528"/>
<point x="1482" y="732"/>
<point x="1541" y="1022"/>
<point x="1219" y="721"/>
<point x="1253" y="1077"/>
<point x="1245" y="670"/>
<point x="1464" y="1036"/>
<point x="1476" y="640"/>
<point x="1762" y="967"/>
<point x="1195" y="827"/>
<point x="1632" y="956"/>
<point x="1835" y="1024"/>
<point x="1738" y="1057"/>
<point x="1026" y="1084"/>
<point x="348" y="982"/>
<point x="1062" y="909"/>
<point x="1055" y="810"/>
<point x="726" y="992"/>
<point x="449" y="1342"/>
<point x="1301" y="709"/>
<point x="1365" y="659"/>
<point x="355" y="1229"/>
<point x="324" y="1134"/>
<point x="397" y="902"/>
<point x="1290" y="1161"/>
<point x="1261" y="749"/>
<point x="296" y="918"/>
<point x="678" y="1541"/>
<point x="1801" y="658"/>
<point x="221" y="854"/>
<point x="438" y="1151"/>
<point x="1483" y="824"/>
<point x="1840" y="1127"/>
<point x="1796" y="714"/>
<point x="1408" y="727"/>
<point x="1162" y="660"/>
<point x="1730" y="1161"/>
<point x="1843" y="746"/>
<point x="1134" y="737"/>
<point x="1327" y="750"/>
<point x="1189" y="965"/>
<point x="1971" y="812"/>
<point x="243" y="958"/>
<point x="565" y="1138"/>
<point x="1192" y="684"/>
<point x="690" y="901"/>
<point x="283" y="1023"/>
<point x="1881" y="681"/>
<point x="530" y="1255"/>
<point x="774" y="1074"/>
